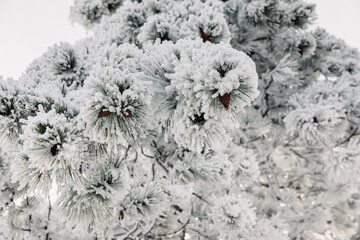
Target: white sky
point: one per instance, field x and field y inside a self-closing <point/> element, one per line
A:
<point x="29" y="27"/>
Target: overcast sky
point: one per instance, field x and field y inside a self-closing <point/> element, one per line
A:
<point x="29" y="27"/>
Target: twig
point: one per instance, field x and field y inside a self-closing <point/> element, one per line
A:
<point x="294" y="138"/>
<point x="49" y="212"/>
<point x="272" y="65"/>
<point x="27" y="197"/>
<point x="261" y="38"/>
<point x="267" y="98"/>
<point x="299" y="155"/>
<point x="163" y="157"/>
<point x="49" y="207"/>
<point x="202" y="199"/>
<point x="148" y="231"/>
<point x="272" y="107"/>
<point x="153" y="171"/>
<point x="176" y="232"/>
<point x="136" y="157"/>
<point x="198" y="232"/>
<point x="272" y="172"/>
<point x="142" y="151"/>
<point x="184" y="235"/>
<point x="8" y="189"/>
<point x="349" y="120"/>
<point x="271" y="187"/>
<point x="158" y="161"/>
<point x="254" y="139"/>
<point x="295" y="179"/>
<point x="156" y="158"/>
<point x="30" y="217"/>
<point x="125" y="156"/>
<point x="127" y="151"/>
<point x="28" y="204"/>
<point x="127" y="236"/>
<point x="349" y="137"/>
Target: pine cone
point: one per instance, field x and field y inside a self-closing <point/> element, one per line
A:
<point x="55" y="149"/>
<point x="104" y="112"/>
<point x="204" y="36"/>
<point x="164" y="38"/>
<point x="199" y="119"/>
<point x="121" y="215"/>
<point x="301" y="51"/>
<point x="315" y="120"/>
<point x="225" y="100"/>
<point x="126" y="114"/>
<point x="222" y="73"/>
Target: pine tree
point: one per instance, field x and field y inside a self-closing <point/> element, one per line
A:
<point x="195" y="119"/>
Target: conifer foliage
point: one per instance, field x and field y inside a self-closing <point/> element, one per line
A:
<point x="194" y="119"/>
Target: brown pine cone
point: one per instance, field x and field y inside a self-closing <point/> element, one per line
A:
<point x="225" y="100"/>
<point x="126" y="114"/>
<point x="204" y="36"/>
<point x="104" y="112"/>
